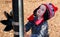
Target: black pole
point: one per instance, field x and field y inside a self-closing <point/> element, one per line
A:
<point x="15" y="23"/>
<point x="15" y="10"/>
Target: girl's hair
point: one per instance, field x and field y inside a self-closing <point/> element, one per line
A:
<point x="35" y="11"/>
<point x="46" y="15"/>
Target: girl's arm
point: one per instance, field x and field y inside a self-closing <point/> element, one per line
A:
<point x="28" y="26"/>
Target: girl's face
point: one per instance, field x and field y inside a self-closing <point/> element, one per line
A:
<point x="41" y="10"/>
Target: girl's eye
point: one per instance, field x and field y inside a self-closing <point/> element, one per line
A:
<point x="42" y="9"/>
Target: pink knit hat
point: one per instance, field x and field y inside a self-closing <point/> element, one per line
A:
<point x="52" y="9"/>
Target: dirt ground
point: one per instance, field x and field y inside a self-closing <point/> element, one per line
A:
<point x="54" y="23"/>
<point x="29" y="6"/>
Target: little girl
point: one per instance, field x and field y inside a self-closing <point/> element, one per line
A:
<point x="37" y="22"/>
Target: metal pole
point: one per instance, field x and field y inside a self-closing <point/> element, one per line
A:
<point x="21" y="18"/>
<point x="15" y="23"/>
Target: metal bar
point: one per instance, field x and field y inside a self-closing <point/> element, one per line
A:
<point x="15" y="22"/>
<point x="15" y="10"/>
<point x="21" y="18"/>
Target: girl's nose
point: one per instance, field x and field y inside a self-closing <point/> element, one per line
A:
<point x="39" y="11"/>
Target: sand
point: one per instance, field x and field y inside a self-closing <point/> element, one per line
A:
<point x="29" y="6"/>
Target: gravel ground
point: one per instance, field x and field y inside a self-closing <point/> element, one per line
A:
<point x="5" y="5"/>
<point x="29" y="6"/>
